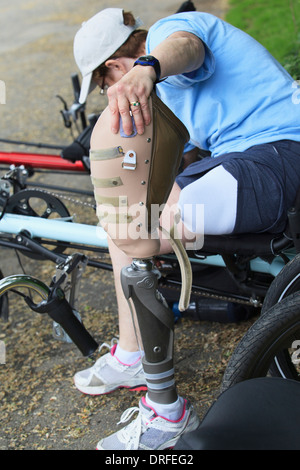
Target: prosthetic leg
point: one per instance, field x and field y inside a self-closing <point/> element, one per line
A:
<point x="132" y="178"/>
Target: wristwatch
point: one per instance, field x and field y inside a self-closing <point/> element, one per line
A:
<point x="152" y="61"/>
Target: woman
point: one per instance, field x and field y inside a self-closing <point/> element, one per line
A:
<point x="236" y="102"/>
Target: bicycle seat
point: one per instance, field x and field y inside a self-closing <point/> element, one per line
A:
<point x="252" y="244"/>
<point x="257" y="244"/>
<point x="258" y="414"/>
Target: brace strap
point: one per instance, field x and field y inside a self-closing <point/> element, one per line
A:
<point x="107" y="182"/>
<point x="116" y="201"/>
<point x="106" y="154"/>
<point x="114" y="218"/>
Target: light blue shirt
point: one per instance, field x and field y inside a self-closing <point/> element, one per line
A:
<point x="241" y="96"/>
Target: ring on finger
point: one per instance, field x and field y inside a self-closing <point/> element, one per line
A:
<point x="135" y="103"/>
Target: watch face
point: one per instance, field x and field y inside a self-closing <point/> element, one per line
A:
<point x="149" y="59"/>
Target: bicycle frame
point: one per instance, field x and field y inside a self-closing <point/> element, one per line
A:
<point x="42" y="161"/>
<point x="57" y="230"/>
<point x="66" y="324"/>
<point x="30" y="235"/>
<point x="95" y="236"/>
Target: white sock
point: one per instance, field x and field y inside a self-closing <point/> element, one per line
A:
<point x="127" y="357"/>
<point x="171" y="411"/>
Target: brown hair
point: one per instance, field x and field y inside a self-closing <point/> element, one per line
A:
<point x="133" y="47"/>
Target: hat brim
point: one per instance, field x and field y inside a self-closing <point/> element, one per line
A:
<point x="86" y="87"/>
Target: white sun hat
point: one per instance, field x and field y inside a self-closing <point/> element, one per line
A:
<point x="96" y="41"/>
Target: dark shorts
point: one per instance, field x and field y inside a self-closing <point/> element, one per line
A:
<point x="268" y="178"/>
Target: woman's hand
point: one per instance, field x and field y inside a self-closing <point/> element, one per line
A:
<point x="129" y="97"/>
<point x="181" y="52"/>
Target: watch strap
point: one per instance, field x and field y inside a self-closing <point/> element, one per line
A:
<point x="149" y="60"/>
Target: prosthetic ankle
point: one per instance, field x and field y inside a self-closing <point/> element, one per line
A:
<point x="132" y="178"/>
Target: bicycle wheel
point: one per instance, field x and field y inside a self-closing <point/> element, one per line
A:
<point x="274" y="333"/>
<point x="286" y="283"/>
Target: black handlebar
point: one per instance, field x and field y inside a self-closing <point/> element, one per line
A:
<point x="76" y="86"/>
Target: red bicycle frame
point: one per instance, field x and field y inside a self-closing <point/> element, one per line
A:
<point x="44" y="161"/>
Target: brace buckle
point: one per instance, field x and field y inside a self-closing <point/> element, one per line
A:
<point x="129" y="162"/>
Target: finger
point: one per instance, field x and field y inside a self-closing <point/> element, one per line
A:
<point x="137" y="114"/>
<point x="126" y="114"/>
<point x="145" y="109"/>
<point x="115" y="116"/>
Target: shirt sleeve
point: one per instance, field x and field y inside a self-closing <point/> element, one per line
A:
<point x="163" y="29"/>
<point x="188" y="147"/>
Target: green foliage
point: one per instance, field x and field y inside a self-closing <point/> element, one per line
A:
<point x="275" y="24"/>
<point x="292" y="61"/>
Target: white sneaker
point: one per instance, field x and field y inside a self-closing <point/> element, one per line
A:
<point x="150" y="431"/>
<point x="108" y="374"/>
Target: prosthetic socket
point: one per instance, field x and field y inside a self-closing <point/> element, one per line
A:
<point x="132" y="178"/>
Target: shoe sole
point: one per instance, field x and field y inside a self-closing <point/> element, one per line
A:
<point x="95" y="391"/>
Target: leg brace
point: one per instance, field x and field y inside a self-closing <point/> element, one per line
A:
<point x="132" y="179"/>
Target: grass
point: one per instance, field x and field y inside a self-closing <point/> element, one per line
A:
<point x="275" y="24"/>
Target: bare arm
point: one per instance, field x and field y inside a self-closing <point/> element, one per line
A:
<point x="180" y="53"/>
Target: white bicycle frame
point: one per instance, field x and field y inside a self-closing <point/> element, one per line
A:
<point x="65" y="231"/>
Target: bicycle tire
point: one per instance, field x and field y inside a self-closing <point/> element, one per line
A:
<point x="271" y="334"/>
<point x="286" y="283"/>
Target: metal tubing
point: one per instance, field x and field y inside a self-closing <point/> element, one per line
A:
<point x="34" y="160"/>
<point x="54" y="229"/>
<point x="60" y="230"/>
